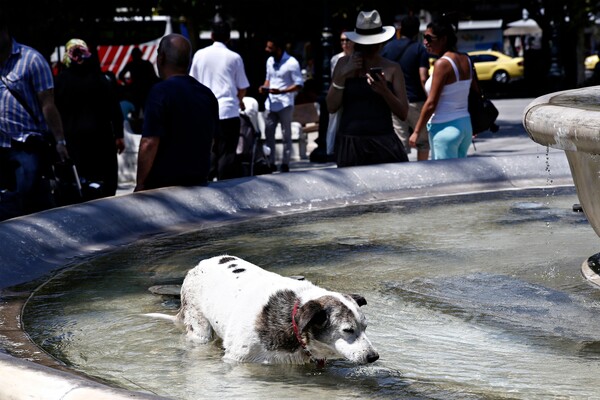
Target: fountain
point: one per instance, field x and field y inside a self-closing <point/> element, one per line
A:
<point x="39" y="246"/>
<point x="570" y="121"/>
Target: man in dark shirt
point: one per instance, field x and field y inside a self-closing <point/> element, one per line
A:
<point x="181" y="120"/>
<point x="414" y="61"/>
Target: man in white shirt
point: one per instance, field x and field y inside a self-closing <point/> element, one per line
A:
<point x="222" y="71"/>
<point x="283" y="81"/>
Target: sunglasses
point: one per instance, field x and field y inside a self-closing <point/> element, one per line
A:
<point x="344" y="40"/>
<point x="429" y="38"/>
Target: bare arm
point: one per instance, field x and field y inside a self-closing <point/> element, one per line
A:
<point x="336" y="90"/>
<point x="146" y="156"/>
<point x="52" y="117"/>
<point x="345" y="67"/>
<point x="441" y="72"/>
<point x="423" y="75"/>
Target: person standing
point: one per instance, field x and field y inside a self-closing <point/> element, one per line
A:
<point x="414" y="61"/>
<point x="29" y="115"/>
<point x="347" y="48"/>
<point x="141" y="78"/>
<point x="446" y="110"/>
<point x="92" y="117"/>
<point x="369" y="88"/>
<point x="181" y="121"/>
<point x="222" y="71"/>
<point x="283" y="81"/>
<point x="334" y="119"/>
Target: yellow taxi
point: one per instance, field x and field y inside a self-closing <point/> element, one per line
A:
<point x="591" y="61"/>
<point x="492" y="66"/>
<point x="496" y="66"/>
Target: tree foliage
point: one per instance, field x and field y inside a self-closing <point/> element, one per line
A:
<point x="48" y="23"/>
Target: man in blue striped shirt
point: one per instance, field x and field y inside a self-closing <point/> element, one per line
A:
<point x="27" y="112"/>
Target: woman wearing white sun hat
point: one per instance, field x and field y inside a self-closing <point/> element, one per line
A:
<point x="369" y="88"/>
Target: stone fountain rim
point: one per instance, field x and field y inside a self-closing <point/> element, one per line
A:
<point x="37" y="246"/>
<point x="566" y="120"/>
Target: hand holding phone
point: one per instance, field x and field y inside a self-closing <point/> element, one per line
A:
<point x="375" y="73"/>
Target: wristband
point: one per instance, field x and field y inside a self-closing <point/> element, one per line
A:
<point x="338" y="87"/>
<point x="62" y="142"/>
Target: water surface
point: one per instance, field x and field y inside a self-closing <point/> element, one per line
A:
<point x="469" y="297"/>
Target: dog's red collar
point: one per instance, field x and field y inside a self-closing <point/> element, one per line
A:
<point x="320" y="362"/>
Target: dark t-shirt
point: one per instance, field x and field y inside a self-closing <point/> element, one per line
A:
<point x="185" y="115"/>
<point x="411" y="56"/>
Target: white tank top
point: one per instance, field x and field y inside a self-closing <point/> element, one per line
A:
<point x="453" y="103"/>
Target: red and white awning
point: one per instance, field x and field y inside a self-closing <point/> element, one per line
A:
<point x="113" y="58"/>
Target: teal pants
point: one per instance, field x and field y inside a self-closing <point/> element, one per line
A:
<point x="450" y="139"/>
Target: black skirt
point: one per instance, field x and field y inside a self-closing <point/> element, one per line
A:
<point x="367" y="150"/>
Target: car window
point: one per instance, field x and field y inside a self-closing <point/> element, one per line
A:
<point x="487" y="58"/>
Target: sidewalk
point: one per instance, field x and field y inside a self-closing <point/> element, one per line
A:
<point x="511" y="139"/>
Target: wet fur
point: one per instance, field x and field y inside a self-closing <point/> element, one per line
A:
<point x="250" y="309"/>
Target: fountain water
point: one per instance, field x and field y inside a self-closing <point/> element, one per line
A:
<point x="570" y="121"/>
<point x="41" y="245"/>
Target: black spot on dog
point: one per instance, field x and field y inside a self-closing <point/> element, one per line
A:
<point x="232" y="265"/>
<point x="226" y="259"/>
<point x="237" y="271"/>
<point x="274" y="323"/>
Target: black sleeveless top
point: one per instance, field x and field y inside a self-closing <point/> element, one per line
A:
<point x="366" y="134"/>
<point x="365" y="113"/>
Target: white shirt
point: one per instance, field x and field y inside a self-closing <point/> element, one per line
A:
<point x="282" y="74"/>
<point x="335" y="59"/>
<point x="222" y="71"/>
<point x="453" y="103"/>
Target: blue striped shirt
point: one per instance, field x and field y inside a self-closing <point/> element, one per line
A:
<point x="27" y="72"/>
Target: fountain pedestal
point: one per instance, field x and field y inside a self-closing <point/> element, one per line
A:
<point x="570" y="121"/>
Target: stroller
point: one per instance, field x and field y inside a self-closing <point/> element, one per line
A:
<point x="251" y="150"/>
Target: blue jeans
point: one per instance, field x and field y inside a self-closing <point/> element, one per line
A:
<point x="27" y="173"/>
<point x="20" y="173"/>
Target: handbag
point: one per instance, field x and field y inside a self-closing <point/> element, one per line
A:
<point x="483" y="112"/>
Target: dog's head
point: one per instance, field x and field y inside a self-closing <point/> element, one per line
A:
<point x="335" y="328"/>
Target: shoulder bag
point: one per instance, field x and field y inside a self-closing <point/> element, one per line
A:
<point x="482" y="110"/>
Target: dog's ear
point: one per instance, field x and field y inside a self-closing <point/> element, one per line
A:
<point x="361" y="301"/>
<point x="311" y="313"/>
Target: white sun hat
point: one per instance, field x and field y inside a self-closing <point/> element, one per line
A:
<point x="369" y="29"/>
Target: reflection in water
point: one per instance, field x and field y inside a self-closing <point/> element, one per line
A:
<point x="468" y="297"/>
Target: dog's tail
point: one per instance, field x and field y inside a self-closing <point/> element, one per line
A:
<point x="172" y="318"/>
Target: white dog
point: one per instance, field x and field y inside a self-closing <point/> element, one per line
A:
<point x="266" y="318"/>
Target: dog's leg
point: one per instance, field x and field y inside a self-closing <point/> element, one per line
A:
<point x="196" y="325"/>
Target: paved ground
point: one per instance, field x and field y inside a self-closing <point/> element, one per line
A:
<point x="510" y="139"/>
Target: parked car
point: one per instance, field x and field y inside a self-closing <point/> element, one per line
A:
<point x="496" y="66"/>
<point x="591" y="61"/>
